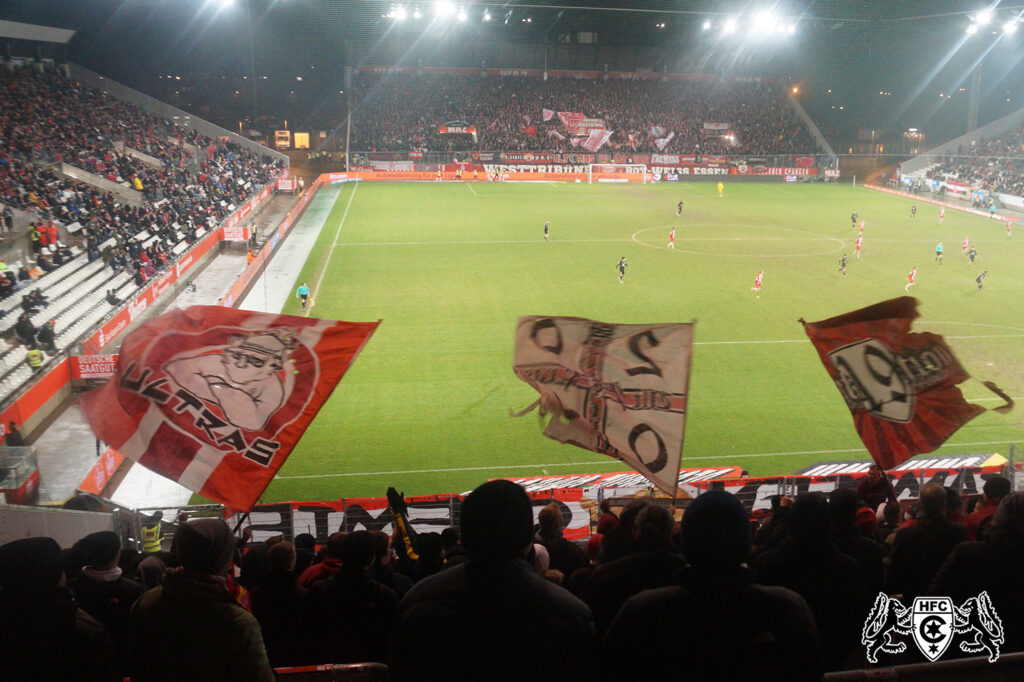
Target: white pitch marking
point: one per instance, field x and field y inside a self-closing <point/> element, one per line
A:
<point x="579" y="464"/>
<point x="333" y="244"/>
<point x="478" y="242"/>
<point x="472" y="190"/>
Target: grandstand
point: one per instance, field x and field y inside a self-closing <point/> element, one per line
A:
<point x="419" y="202"/>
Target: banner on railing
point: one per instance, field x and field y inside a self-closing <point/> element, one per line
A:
<point x="93" y="366"/>
<point x="717" y="127"/>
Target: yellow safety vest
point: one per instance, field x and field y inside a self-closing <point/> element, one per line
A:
<point x="35" y="358"/>
<point x="152" y="538"/>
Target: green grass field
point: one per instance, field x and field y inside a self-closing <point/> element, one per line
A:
<point x="449" y="268"/>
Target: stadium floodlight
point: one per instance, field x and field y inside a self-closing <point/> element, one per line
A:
<point x="706" y="26"/>
<point x="764" y="22"/>
<point x="487" y="15"/>
<point x="1010" y="27"/>
<point x="729" y="26"/>
<point x="444" y="8"/>
<point x="791" y="29"/>
<point x="400" y="13"/>
<point x="972" y="29"/>
<point x="416" y="13"/>
<point x="462" y="14"/>
<point x="983" y="16"/>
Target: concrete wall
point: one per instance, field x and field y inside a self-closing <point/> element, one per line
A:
<point x="63" y="525"/>
<point x="133" y="197"/>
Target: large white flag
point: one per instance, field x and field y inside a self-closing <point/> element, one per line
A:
<point x="617" y="389"/>
<point x="661" y="142"/>
<point x="596" y="139"/>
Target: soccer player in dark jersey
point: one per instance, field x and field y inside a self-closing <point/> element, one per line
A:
<point x="853" y="220"/>
<point x="842" y="265"/>
<point x="621" y="267"/>
<point x="913" y="211"/>
<point x="679" y="208"/>
<point x="971" y="255"/>
<point x="980" y="279"/>
<point x="546" y="230"/>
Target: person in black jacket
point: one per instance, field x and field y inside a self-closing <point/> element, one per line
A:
<point x="47" y="337"/>
<point x="45" y="636"/>
<point x="919" y="549"/>
<point x="25" y="330"/>
<point x="102" y="591"/>
<point x="277" y="602"/>
<point x="717" y="622"/>
<point x="350" y="615"/>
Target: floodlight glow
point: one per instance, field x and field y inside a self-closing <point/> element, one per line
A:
<point x="706" y="26"/>
<point x="972" y="29"/>
<point x="729" y="27"/>
<point x="416" y="13"/>
<point x="983" y="17"/>
<point x="226" y="3"/>
<point x="487" y="15"/>
<point x="763" y="21"/>
<point x="462" y="14"/>
<point x="791" y="29"/>
<point x="444" y="8"/>
<point x="1010" y="26"/>
<point x="400" y="13"/>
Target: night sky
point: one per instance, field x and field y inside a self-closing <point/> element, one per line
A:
<point x="886" y="63"/>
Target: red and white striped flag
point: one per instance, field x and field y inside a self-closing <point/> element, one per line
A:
<point x="547" y="114"/>
<point x="216" y="398"/>
<point x="901" y="387"/>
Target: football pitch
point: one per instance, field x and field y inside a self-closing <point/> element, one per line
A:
<point x="448" y="268"/>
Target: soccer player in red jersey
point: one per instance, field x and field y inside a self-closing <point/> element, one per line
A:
<point x="757" y="283"/>
<point x="910" y="279"/>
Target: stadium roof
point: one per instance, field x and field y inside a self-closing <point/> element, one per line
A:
<point x="880" y="63"/>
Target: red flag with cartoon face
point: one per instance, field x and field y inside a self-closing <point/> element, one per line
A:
<point x="901" y="387"/>
<point x="216" y="398"/>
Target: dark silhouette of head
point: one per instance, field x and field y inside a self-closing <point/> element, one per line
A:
<point x="716" y="531"/>
<point x="497" y="520"/>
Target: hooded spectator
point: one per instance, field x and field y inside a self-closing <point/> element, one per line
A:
<point x="919" y="549"/>
<point x="993" y="492"/>
<point x="198" y="610"/>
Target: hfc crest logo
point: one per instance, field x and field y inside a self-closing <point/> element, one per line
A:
<point x="933" y="623"/>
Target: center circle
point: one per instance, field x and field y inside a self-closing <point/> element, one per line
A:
<point x="740" y="240"/>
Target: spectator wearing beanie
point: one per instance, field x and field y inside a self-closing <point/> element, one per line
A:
<point x="197" y="626"/>
<point x="716" y="622"/>
<point x="43" y="633"/>
<point x="102" y="591"/>
<point x="492" y="617"/>
<point x="350" y="615"/>
<point x="993" y="492"/>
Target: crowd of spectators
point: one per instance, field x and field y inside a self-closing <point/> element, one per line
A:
<point x="402" y="112"/>
<point x="995" y="164"/>
<point x="188" y="179"/>
<point x="717" y="595"/>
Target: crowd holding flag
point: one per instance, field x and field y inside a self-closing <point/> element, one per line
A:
<point x="616" y="389"/>
<point x="216" y="398"/>
<point x="900" y="387"/>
